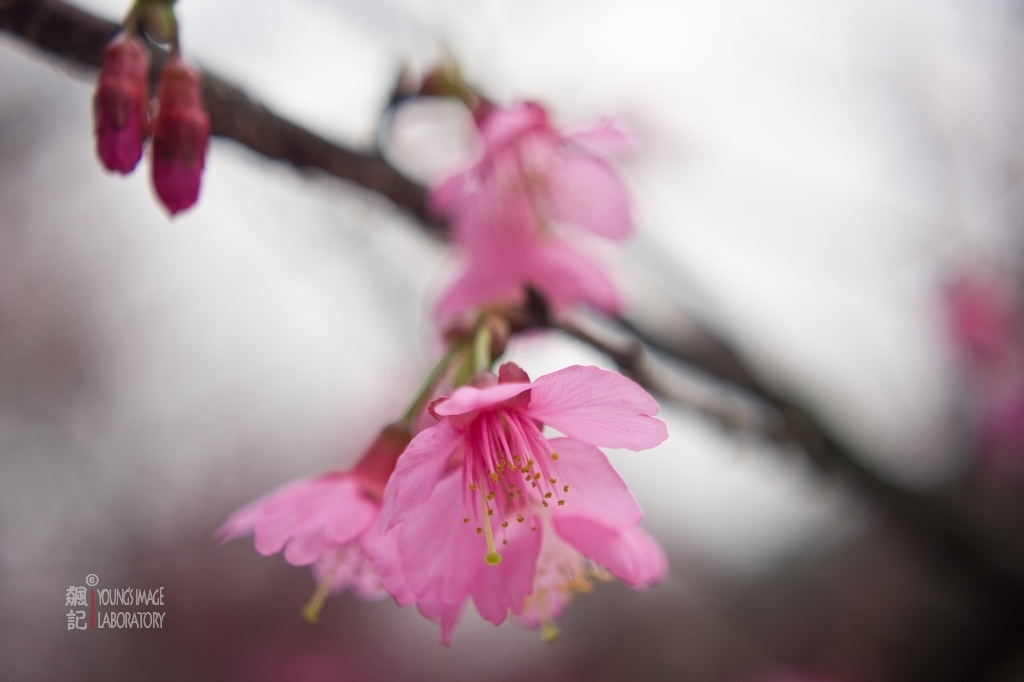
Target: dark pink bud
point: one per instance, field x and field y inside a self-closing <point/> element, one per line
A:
<point x="121" y="103"/>
<point x="180" y="133"/>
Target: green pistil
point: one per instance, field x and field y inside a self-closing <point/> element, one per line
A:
<point x="311" y="611"/>
<point x="549" y="631"/>
<point x="492" y="557"/>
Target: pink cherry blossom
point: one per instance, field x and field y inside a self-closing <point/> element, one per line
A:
<point x="331" y="522"/>
<point x="519" y="211"/>
<point x="121" y="104"/>
<point x="485" y="478"/>
<point x="986" y="321"/>
<point x="181" y="131"/>
<point x="983" y="316"/>
<point x="548" y="554"/>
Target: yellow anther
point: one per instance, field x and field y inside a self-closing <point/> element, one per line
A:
<point x="490" y="512"/>
<point x="472" y="486"/>
<point x="504" y="524"/>
<point x="554" y="455"/>
<point x="547" y="496"/>
<point x="465" y="520"/>
<point x="544" y="502"/>
<point x="565" y="488"/>
<point x="548" y="632"/>
<point x="479" y="530"/>
<point x="553" y="481"/>
<point x="561" y="503"/>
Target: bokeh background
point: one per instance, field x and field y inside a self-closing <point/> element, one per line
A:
<point x="808" y="178"/>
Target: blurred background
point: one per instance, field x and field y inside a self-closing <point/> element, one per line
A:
<point x="810" y="180"/>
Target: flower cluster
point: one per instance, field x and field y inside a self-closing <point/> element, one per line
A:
<point x="480" y="502"/>
<point x="180" y="127"/>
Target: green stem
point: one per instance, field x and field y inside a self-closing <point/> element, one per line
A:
<point x="482" y="347"/>
<point x="428" y="385"/>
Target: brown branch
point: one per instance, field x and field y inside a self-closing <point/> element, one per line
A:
<point x="79" y="37"/>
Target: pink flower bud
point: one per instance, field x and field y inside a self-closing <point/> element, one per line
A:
<point x="120" y="104"/>
<point x="180" y="133"/>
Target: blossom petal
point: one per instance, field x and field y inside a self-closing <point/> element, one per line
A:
<point x="444" y="197"/>
<point x="496" y="224"/>
<point x="595" y="490"/>
<point x="475" y="287"/>
<point x="350" y="568"/>
<point x="417" y="472"/>
<point x="629" y="553"/>
<point x="443" y="558"/>
<point x="387" y="564"/>
<point x="447" y="616"/>
<point x="567" y="277"/>
<point x="469" y="398"/>
<point x="584" y="191"/>
<point x="441" y="553"/>
<point x="305" y="518"/>
<point x="598" y="407"/>
<point x="505" y="587"/>
<point x="502" y="126"/>
<point x="604" y="139"/>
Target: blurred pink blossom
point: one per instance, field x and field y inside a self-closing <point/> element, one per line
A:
<point x="987" y="322"/>
<point x="485" y="477"/>
<point x="983" y="316"/>
<point x="331" y="522"/>
<point x="519" y="210"/>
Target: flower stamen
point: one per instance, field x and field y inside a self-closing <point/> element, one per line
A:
<point x="311" y="611"/>
<point x="492" y="557"/>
